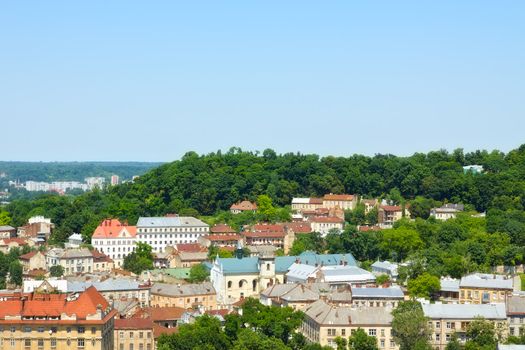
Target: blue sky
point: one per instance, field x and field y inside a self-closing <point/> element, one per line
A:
<point x="150" y="80"/>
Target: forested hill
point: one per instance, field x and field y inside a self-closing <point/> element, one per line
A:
<point x="205" y="184"/>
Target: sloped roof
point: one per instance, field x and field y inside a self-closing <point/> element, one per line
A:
<point x="244" y="205"/>
<point x="486" y="281"/>
<point x="222" y="228"/>
<point x="112" y="228"/>
<point x="325" y="314"/>
<point x="182" y="290"/>
<point x="464" y="311"/>
<point x="390" y="292"/>
<point x="170" y="221"/>
<point x="133" y="323"/>
<point x="338" y="197"/>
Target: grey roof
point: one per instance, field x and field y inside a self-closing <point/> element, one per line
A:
<point x="193" y="255"/>
<point x="479" y="280"/>
<point x="170" y="221"/>
<point x="7" y="228"/>
<point x="511" y="347"/>
<point x="325" y="314"/>
<point x="390" y="292"/>
<point x="345" y="273"/>
<point x="278" y="290"/>
<point x="340" y="296"/>
<point x="108" y="285"/>
<point x="516" y="304"/>
<point x="175" y="290"/>
<point x="76" y="253"/>
<point x="301" y="271"/>
<point x="449" y="285"/>
<point x="387" y="265"/>
<point x="300" y="293"/>
<point x="464" y="311"/>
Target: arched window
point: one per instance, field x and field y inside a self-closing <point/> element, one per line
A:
<point x="229" y="284"/>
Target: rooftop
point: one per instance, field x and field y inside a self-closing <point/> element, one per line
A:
<point x="464" y="311"/>
<point x="390" y="292"/>
<point x="182" y="290"/>
<point x="113" y="228"/>
<point x="170" y="221"/>
<point x="480" y="280"/>
<point x="325" y="314"/>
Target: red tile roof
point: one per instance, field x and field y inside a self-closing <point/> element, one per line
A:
<point x="338" y="197"/>
<point x="222" y="228"/>
<point x="244" y="205"/>
<point x="28" y="255"/>
<point x="391" y="208"/>
<point x="20" y="241"/>
<point x="267" y="228"/>
<point x="223" y="237"/>
<point x="315" y="201"/>
<point x="100" y="257"/>
<point x="190" y="247"/>
<point x="161" y="313"/>
<point x="111" y="228"/>
<point x="299" y="227"/>
<point x="133" y="323"/>
<point x="368" y="228"/>
<point x="265" y="234"/>
<point x="327" y="219"/>
<point x="158" y="330"/>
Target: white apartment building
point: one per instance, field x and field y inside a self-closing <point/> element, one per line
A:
<point x="114" y="239"/>
<point x="162" y="232"/>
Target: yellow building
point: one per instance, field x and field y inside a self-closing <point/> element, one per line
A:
<point x="481" y="288"/>
<point x="134" y="334"/>
<point x="32" y="321"/>
<point x="201" y="295"/>
<point x="323" y="323"/>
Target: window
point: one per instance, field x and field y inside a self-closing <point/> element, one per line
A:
<point x="40" y="343"/>
<point x="331" y="332"/>
<point x="27" y="329"/>
<point x="40" y="329"/>
<point x="53" y="329"/>
<point x="131" y="347"/>
<point x="81" y="329"/>
<point x="53" y="342"/>
<point x="93" y="330"/>
<point x="343" y="332"/>
<point x="121" y="334"/>
<point x="141" y="346"/>
<point x="121" y="346"/>
<point x="80" y="342"/>
<point x="68" y="329"/>
<point x="229" y="284"/>
<point x="382" y="343"/>
<point x="148" y="335"/>
<point x="13" y="329"/>
<point x="148" y="346"/>
<point x="372" y="332"/>
<point x="438" y="337"/>
<point x="438" y="324"/>
<point x="27" y="343"/>
<point x="131" y="334"/>
<point x="382" y="332"/>
<point x="13" y="342"/>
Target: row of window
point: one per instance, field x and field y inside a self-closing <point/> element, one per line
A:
<point x="28" y="343"/>
<point x="174" y="229"/>
<point x="132" y="347"/>
<point x="332" y="332"/>
<point x="132" y="334"/>
<point x="41" y="329"/>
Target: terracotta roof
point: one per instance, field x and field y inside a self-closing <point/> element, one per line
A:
<point x="158" y="330"/>
<point x="162" y="313"/>
<point x="338" y="197"/>
<point x="100" y="257"/>
<point x="244" y="205"/>
<point x="133" y="323"/>
<point x="391" y="208"/>
<point x="299" y="227"/>
<point x="221" y="312"/>
<point x="86" y="303"/>
<point x="368" y="228"/>
<point x="267" y="228"/>
<point x="28" y="255"/>
<point x="190" y="247"/>
<point x="111" y="228"/>
<point x="36" y="273"/>
<point x="223" y="237"/>
<point x="222" y="228"/>
<point x="327" y="219"/>
<point x="20" y="241"/>
<point x="264" y="234"/>
<point x="316" y="201"/>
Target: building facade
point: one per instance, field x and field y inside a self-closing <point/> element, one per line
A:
<point x="114" y="239"/>
<point x="188" y="296"/>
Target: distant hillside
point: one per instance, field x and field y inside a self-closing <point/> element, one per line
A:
<point x="206" y="184"/>
<point x="71" y="171"/>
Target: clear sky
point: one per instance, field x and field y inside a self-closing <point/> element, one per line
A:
<point x="150" y="80"/>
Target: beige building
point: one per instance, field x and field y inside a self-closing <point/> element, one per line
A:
<point x="302" y="204"/>
<point x="388" y="214"/>
<point x="79" y="260"/>
<point x="369" y="204"/>
<point x="34" y="260"/>
<point x="323" y="323"/>
<point x="187" y="259"/>
<point x="448" y="319"/>
<point x="134" y="334"/>
<point x="277" y="235"/>
<point x="188" y="296"/>
<point x="516" y="314"/>
<point x="343" y="201"/>
<point x="243" y="206"/>
<point x="34" y="321"/>
<point x="323" y="225"/>
<point x="482" y="288"/>
<point x="102" y="262"/>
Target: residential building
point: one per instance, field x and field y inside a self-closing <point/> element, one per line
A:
<point x="277" y="235"/>
<point x="33" y="321"/>
<point x="342" y="201"/>
<point x="515" y="307"/>
<point x="449" y="291"/>
<point x="222" y="240"/>
<point x="74" y="241"/>
<point x="134" y="334"/>
<point x="73" y="261"/>
<point x="448" y="319"/>
<point x="474" y="169"/>
<point x="34" y="260"/>
<point x="323" y="323"/>
<point x="188" y="259"/>
<point x="161" y="232"/>
<point x="370" y="204"/>
<point x="188" y="296"/>
<point x="115" y="289"/>
<point x="344" y="275"/>
<point x="447" y="211"/>
<point x="301" y="204"/>
<point x="377" y="297"/>
<point x="102" y="262"/>
<point x="222" y="229"/>
<point x="6" y="244"/>
<point x="240" y="277"/>
<point x="388" y="214"/>
<point x="37" y="227"/>
<point x="324" y="225"/>
<point x="243" y="206"/>
<point x="7" y="231"/>
<point x="482" y="288"/>
<point x="385" y="268"/>
<point x="115" y="180"/>
<point x="167" y="317"/>
<point x="115" y="239"/>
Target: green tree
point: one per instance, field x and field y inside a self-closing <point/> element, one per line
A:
<point x="424" y="285"/>
<point x="139" y="260"/>
<point x="198" y="273"/>
<point x="5" y="218"/>
<point x="362" y="341"/>
<point x="454" y="343"/>
<point x="382" y="279"/>
<point x="410" y="326"/>
<point x="15" y="273"/>
<point x="265" y="209"/>
<point x="401" y="241"/>
<point x="251" y="340"/>
<point x="56" y="271"/>
<point x="481" y="335"/>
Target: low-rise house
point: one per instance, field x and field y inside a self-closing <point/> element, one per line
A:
<point x="170" y="275"/>
<point x="482" y="288"/>
<point x="385" y="268"/>
<point x="324" y="225"/>
<point x="258" y="250"/>
<point x="102" y="262"/>
<point x="388" y="214"/>
<point x="188" y="259"/>
<point x="377" y="297"/>
<point x="6" y="244"/>
<point x="343" y="275"/>
<point x="220" y="240"/>
<point x="167" y="317"/>
<point x="269" y="234"/>
<point x="222" y="229"/>
<point x="126" y="307"/>
<point x="134" y="333"/>
<point x="449" y="290"/>
<point x="34" y="260"/>
<point x="7" y="231"/>
<point x="370" y="204"/>
<point x="243" y="206"/>
<point x="73" y="261"/>
<point x="447" y="211"/>
<point x="294" y="295"/>
<point x="115" y="289"/>
<point x="448" y="319"/>
<point x="198" y="295"/>
<point x="516" y="314"/>
<point x="323" y="323"/>
<point x="74" y="241"/>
